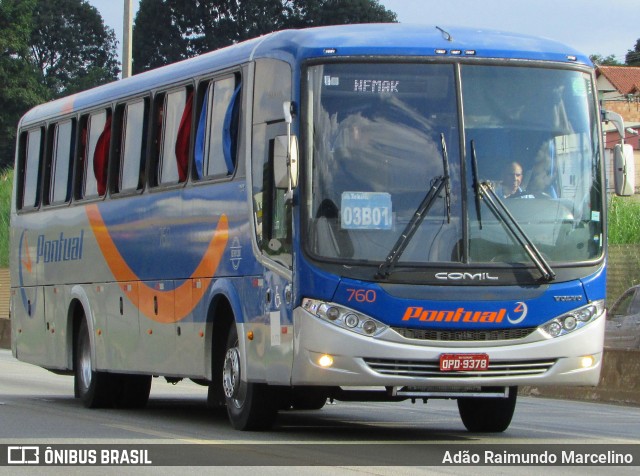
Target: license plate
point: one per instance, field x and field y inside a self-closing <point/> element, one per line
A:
<point x="463" y="362"/>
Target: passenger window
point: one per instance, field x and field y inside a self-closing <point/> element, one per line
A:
<point x="96" y="129"/>
<point x="31" y="151"/>
<point x="62" y="149"/>
<point x="97" y="137"/>
<point x="133" y="144"/>
<point x="175" y="114"/>
<point x="217" y="135"/>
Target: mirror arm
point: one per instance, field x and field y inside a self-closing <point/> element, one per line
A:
<point x="287" y="107"/>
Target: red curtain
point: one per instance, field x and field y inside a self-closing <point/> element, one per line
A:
<point x="183" y="139"/>
<point x="101" y="157"/>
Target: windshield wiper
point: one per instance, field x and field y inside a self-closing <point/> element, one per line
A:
<point x="447" y="179"/>
<point x="476" y="182"/>
<point x="499" y="209"/>
<point x="440" y="182"/>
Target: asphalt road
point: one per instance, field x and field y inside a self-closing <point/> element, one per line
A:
<point x="37" y="408"/>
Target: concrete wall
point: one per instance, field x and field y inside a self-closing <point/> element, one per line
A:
<point x="624" y="270"/>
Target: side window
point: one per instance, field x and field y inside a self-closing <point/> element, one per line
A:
<point x="272" y="212"/>
<point x="174" y="122"/>
<point x="217" y="134"/>
<point x="61" y="153"/>
<point x="634" y="307"/>
<point x="96" y="137"/>
<point x="132" y="146"/>
<point x="31" y="143"/>
<point x="622" y="307"/>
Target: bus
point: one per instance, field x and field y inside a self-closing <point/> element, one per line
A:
<point x="319" y="214"/>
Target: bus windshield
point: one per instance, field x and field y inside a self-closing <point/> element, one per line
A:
<point x="375" y="135"/>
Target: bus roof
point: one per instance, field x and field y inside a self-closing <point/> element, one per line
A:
<point x="391" y="39"/>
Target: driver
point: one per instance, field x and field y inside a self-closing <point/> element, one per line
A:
<point x="512" y="181"/>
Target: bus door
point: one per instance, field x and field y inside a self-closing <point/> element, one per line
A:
<point x="273" y="220"/>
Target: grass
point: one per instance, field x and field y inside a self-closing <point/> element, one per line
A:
<point x="6" y="183"/>
<point x="624" y="221"/>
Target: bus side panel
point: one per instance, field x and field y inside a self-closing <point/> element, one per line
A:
<point x="123" y="329"/>
<point x="97" y="296"/>
<point x="190" y="332"/>
<point x="55" y="314"/>
<point x="28" y="321"/>
<point x="279" y="330"/>
<point x="158" y="335"/>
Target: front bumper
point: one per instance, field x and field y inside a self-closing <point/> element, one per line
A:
<point x="390" y="360"/>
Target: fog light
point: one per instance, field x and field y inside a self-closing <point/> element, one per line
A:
<point x="587" y="361"/>
<point x="325" y="361"/>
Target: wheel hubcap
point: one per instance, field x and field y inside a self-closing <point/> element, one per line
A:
<point x="85" y="364"/>
<point x="231" y="373"/>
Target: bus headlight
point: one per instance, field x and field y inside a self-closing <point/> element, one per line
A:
<point x="573" y="320"/>
<point x="344" y="317"/>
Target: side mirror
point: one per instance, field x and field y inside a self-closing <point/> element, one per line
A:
<point x="285" y="155"/>
<point x="285" y="162"/>
<point x="624" y="173"/>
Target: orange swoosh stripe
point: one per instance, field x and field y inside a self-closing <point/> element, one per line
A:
<point x="27" y="263"/>
<point x="173" y="305"/>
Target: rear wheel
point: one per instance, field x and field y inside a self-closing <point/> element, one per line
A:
<point x="250" y="406"/>
<point x="488" y="415"/>
<point x="93" y="387"/>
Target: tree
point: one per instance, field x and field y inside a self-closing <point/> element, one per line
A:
<point x="605" y="61"/>
<point x="48" y="48"/>
<point x="166" y="31"/>
<point x="19" y="79"/>
<point x="633" y="56"/>
<point x="341" y="12"/>
<point x="71" y="46"/>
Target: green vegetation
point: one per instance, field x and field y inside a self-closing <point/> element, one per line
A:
<point x="6" y="181"/>
<point x="624" y="221"/>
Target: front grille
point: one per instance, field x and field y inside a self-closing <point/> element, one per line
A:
<point x="427" y="369"/>
<point x="464" y="335"/>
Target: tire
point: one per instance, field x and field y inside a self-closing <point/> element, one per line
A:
<point x="92" y="387"/>
<point x="250" y="406"/>
<point x="488" y="415"/>
<point x="130" y="391"/>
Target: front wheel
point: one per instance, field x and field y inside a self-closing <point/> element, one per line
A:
<point x="488" y="415"/>
<point x="250" y="406"/>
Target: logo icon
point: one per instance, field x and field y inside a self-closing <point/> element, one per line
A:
<point x="520" y="310"/>
<point x="23" y="455"/>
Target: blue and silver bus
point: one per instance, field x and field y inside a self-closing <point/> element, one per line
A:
<point x="359" y="213"/>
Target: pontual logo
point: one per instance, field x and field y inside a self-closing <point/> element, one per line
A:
<point x="466" y="276"/>
<point x="61" y="249"/>
<point x="459" y="315"/>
